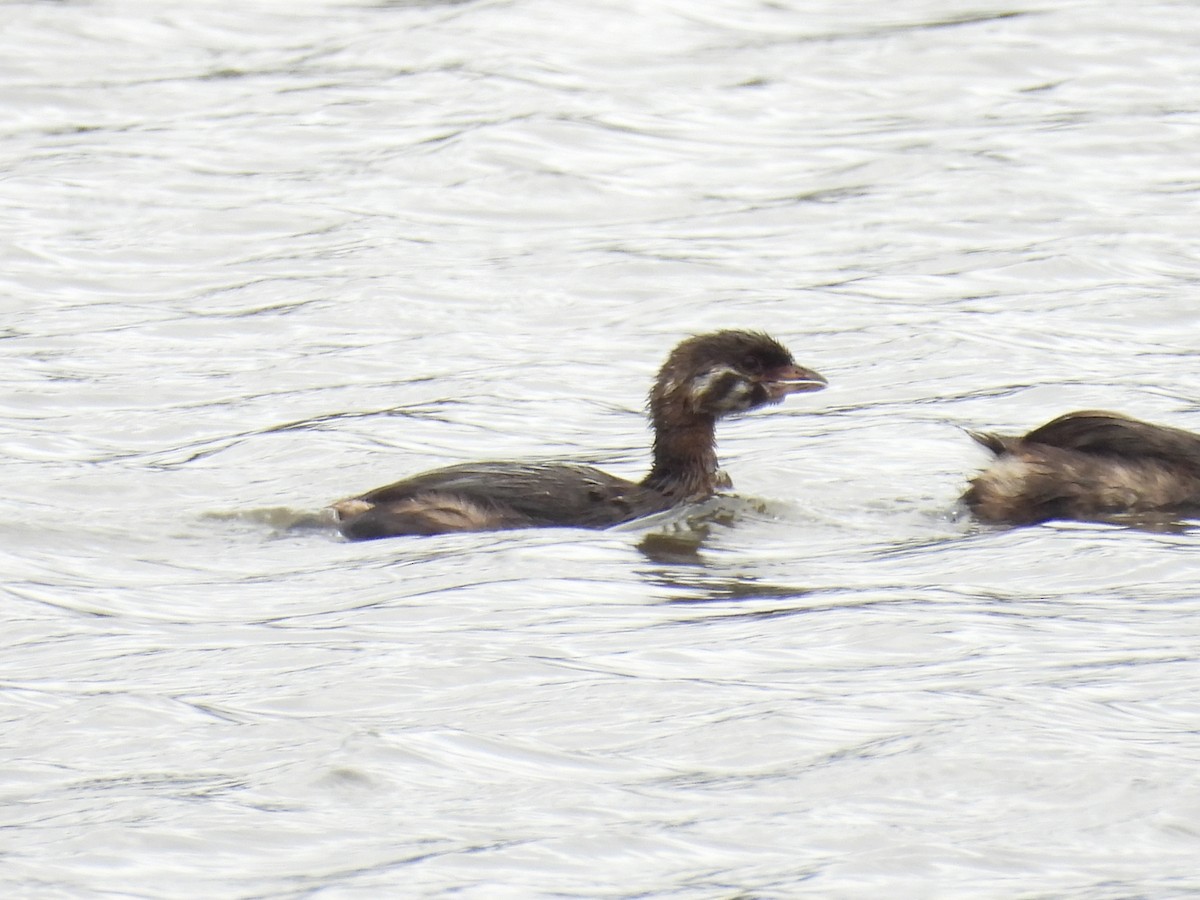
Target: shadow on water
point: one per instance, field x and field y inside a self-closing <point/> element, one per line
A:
<point x="282" y="520"/>
<point x="674" y="548"/>
<point x="676" y="545"/>
<point x="1162" y="523"/>
<point x="1147" y="522"/>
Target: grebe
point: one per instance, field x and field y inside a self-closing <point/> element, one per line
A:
<point x="1087" y="465"/>
<point x="705" y="378"/>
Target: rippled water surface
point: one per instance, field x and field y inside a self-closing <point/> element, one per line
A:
<point x="260" y="256"/>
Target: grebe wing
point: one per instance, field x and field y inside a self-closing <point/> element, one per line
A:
<point x="544" y="493"/>
<point x="1112" y="434"/>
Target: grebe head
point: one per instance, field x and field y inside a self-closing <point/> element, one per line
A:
<point x="727" y="372"/>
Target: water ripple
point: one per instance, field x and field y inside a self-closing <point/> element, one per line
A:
<point x="258" y="259"/>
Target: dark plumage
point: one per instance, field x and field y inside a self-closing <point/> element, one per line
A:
<point x="704" y="379"/>
<point x="1090" y="466"/>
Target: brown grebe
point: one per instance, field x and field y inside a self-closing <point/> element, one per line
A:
<point x="704" y="379"/>
<point x="1090" y="466"/>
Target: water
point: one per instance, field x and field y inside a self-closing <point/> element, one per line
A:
<point x="258" y="258"/>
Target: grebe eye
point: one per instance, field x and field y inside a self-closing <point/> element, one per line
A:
<point x="752" y="365"/>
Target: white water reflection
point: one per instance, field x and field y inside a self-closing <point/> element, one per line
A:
<point x="260" y="257"/>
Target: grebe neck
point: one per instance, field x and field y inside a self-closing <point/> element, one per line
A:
<point x="685" y="458"/>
